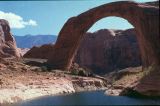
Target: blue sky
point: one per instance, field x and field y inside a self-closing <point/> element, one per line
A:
<point x="48" y="17"/>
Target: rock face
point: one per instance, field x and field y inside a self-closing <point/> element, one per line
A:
<point x="108" y="50"/>
<point x="149" y="85"/>
<point x="7" y="42"/>
<point x="145" y="19"/>
<point x="41" y="52"/>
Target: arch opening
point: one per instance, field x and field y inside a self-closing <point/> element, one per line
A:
<point x="111" y="22"/>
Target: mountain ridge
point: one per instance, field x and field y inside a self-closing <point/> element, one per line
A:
<point x="28" y="41"/>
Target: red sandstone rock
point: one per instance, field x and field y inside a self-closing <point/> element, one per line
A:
<point x="108" y="50"/>
<point x="143" y="17"/>
<point x="41" y="52"/>
<point x="7" y="42"/>
<point x="150" y="84"/>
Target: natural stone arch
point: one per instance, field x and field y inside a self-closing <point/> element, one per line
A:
<point x="143" y="17"/>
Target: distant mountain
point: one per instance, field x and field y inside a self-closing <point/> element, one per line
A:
<point x="28" y="41"/>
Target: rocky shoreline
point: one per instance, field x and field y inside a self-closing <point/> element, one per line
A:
<point x="20" y="82"/>
<point x="51" y="86"/>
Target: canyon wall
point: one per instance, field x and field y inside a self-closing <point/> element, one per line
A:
<point x="108" y="50"/>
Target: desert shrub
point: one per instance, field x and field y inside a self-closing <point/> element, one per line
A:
<point x="82" y="73"/>
<point x="77" y="70"/>
<point x="74" y="72"/>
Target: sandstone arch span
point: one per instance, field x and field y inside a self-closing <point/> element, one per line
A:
<point x="143" y="17"/>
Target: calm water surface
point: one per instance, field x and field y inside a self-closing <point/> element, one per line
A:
<point x="88" y="98"/>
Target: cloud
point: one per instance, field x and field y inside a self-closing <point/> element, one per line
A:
<point x="16" y="21"/>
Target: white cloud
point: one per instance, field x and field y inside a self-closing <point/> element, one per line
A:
<point x="16" y="21"/>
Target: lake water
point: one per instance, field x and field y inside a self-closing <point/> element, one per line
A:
<point x="88" y="98"/>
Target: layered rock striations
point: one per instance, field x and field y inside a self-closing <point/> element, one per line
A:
<point x="7" y="42"/>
